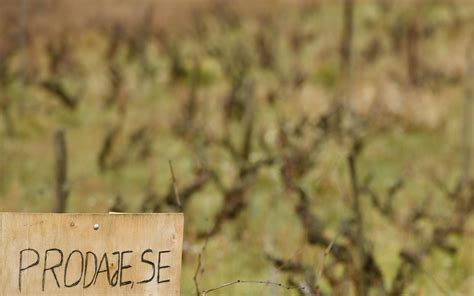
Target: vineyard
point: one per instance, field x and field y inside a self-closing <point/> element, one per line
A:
<point x="315" y="147"/>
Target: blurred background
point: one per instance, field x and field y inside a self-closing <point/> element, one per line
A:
<point x="280" y="128"/>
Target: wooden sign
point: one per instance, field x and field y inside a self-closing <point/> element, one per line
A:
<point x="90" y="254"/>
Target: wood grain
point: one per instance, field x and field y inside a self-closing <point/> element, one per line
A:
<point x="137" y="248"/>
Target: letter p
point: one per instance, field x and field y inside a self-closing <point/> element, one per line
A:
<point x="23" y="268"/>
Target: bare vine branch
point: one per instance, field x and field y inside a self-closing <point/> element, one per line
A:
<point x="267" y="283"/>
